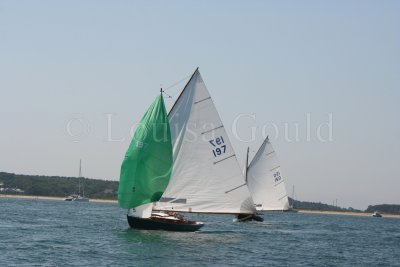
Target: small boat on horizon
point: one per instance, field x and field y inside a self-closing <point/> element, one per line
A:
<point x="376" y="214"/>
<point x="76" y="197"/>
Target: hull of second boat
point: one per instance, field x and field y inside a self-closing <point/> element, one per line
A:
<point x="150" y="224"/>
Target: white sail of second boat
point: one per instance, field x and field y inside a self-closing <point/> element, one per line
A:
<point x="206" y="176"/>
<point x="265" y="180"/>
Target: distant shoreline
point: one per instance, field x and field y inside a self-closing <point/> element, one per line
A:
<point x="365" y="214"/>
<point x="53" y="198"/>
<point x="348" y="213"/>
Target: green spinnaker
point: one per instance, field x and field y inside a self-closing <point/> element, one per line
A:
<point x="146" y="169"/>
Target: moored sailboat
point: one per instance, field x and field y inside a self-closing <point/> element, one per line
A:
<point x="78" y="197"/>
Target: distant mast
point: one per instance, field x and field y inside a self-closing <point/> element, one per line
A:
<point x="293" y="197"/>
<point x="79" y="176"/>
<point x="80" y="168"/>
<point x="246" y="165"/>
<point x="79" y="180"/>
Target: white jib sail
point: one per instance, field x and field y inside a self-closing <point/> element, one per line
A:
<point x="206" y="176"/>
<point x="265" y="180"/>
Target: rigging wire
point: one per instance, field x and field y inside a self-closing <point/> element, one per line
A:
<point x="169" y="96"/>
<point x="178" y="82"/>
<point x="173" y="85"/>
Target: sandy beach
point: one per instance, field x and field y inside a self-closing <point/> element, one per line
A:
<point x="53" y="198"/>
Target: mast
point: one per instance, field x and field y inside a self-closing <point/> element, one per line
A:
<point x="293" y="197"/>
<point x="183" y="90"/>
<point x="246" y="165"/>
<point x="80" y="168"/>
<point x="258" y="151"/>
<point x="83" y="180"/>
<point x="79" y="176"/>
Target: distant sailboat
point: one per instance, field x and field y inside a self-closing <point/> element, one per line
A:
<point x="376" y="214"/>
<point x="78" y="197"/>
<point x="265" y="181"/>
<point x="206" y="176"/>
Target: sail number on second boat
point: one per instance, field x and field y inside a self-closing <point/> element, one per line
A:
<point x="219" y="146"/>
<point x="277" y="177"/>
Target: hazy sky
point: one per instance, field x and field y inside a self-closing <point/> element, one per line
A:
<point x="76" y="75"/>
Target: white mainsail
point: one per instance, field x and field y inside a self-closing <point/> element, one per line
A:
<point x="206" y="176"/>
<point x="265" y="180"/>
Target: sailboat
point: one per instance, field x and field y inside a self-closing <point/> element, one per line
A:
<point x="146" y="171"/>
<point x="78" y="197"/>
<point x="265" y="181"/>
<point x="206" y="176"/>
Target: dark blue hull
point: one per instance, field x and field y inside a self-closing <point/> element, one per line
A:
<point x="249" y="217"/>
<point x="159" y="224"/>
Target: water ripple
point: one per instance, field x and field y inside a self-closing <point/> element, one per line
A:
<point x="56" y="233"/>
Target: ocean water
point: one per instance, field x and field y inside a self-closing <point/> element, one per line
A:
<point x="57" y="233"/>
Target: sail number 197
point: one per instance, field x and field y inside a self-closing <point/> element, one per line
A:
<point x="219" y="146"/>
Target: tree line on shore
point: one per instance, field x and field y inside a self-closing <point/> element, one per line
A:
<point x="383" y="208"/>
<point x="305" y="205"/>
<point x="56" y="186"/>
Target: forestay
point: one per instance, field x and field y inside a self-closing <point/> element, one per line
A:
<point x="265" y="180"/>
<point x="206" y="176"/>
